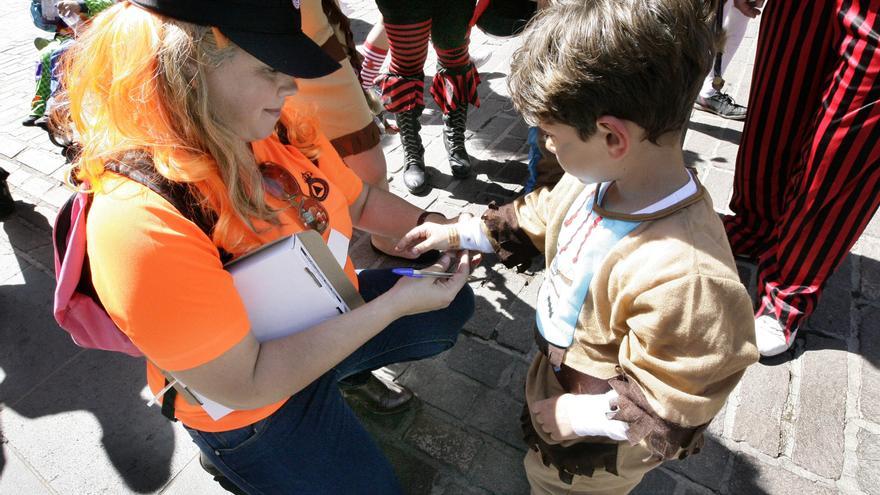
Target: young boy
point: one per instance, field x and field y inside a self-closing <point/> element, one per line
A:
<point x="643" y="325"/>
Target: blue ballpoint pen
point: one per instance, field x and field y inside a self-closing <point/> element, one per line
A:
<point x="410" y="272"/>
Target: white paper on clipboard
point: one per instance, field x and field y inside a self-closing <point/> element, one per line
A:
<point x="288" y="286"/>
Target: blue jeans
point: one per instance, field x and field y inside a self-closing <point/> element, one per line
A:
<point x="314" y="443"/>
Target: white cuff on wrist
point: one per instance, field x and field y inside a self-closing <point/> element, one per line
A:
<point x="471" y="235"/>
<point x="588" y="415"/>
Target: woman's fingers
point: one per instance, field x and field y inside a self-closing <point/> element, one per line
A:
<point x="464" y="262"/>
<point x="412" y="238"/>
<point x="442" y="264"/>
<point x="476" y="259"/>
<point x="462" y="270"/>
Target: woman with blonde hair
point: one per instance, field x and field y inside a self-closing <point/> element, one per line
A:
<point x="195" y="90"/>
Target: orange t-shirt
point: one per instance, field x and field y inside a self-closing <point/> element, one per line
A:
<point x="160" y="277"/>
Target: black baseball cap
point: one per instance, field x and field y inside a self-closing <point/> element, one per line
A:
<point x="270" y="30"/>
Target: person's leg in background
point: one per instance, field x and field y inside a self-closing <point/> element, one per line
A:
<point x="7" y="204"/>
<point x="544" y="168"/>
<point x="44" y="84"/>
<point x="408" y="26"/>
<point x="784" y="94"/>
<point x="716" y="101"/>
<point x="455" y="83"/>
<point x="835" y="190"/>
<point x="374" y="51"/>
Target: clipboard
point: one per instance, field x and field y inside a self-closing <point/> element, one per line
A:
<point x="288" y="286"/>
<point x="292" y="284"/>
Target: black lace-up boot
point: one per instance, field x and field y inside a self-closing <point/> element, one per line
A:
<point x="454" y="124"/>
<point x="414" y="176"/>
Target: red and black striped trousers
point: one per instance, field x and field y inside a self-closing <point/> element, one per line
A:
<point x="807" y="176"/>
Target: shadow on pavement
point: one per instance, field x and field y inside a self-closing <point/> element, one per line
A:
<point x="831" y="324"/>
<point x="46" y="374"/>
<point x="721" y="133"/>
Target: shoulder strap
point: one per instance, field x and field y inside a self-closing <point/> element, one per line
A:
<point x="139" y="168"/>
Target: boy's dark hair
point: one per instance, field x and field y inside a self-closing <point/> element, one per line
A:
<point x="638" y="60"/>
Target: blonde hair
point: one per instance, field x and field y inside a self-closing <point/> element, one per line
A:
<point x="137" y="82"/>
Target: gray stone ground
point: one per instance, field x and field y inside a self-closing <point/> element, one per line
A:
<point x="74" y="421"/>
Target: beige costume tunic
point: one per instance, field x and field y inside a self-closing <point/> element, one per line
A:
<point x="336" y="99"/>
<point x="666" y="322"/>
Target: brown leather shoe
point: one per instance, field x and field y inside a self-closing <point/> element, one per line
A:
<point x="380" y="396"/>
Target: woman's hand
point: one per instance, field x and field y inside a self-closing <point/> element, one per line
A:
<point x="419" y="295"/>
<point x="428" y="236"/>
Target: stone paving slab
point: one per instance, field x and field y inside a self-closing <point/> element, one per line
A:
<point x="74" y="421"/>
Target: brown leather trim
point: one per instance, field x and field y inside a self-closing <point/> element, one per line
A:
<point x="578" y="459"/>
<point x="358" y="141"/>
<point x="665" y="439"/>
<point x="575" y="382"/>
<point x="333" y="48"/>
<point x="572" y="380"/>
<point x="341" y="24"/>
<point x="515" y="249"/>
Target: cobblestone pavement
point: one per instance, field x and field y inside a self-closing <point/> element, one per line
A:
<point x="75" y="421"/>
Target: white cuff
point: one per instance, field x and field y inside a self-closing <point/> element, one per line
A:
<point x="471" y="235"/>
<point x="588" y="416"/>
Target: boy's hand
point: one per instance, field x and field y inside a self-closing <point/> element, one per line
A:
<point x="569" y="416"/>
<point x="552" y="416"/>
<point x="749" y="8"/>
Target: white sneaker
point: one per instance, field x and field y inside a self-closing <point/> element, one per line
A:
<point x="770" y="336"/>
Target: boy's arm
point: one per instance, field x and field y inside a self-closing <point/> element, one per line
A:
<point x="518" y="229"/>
<point x="689" y="342"/>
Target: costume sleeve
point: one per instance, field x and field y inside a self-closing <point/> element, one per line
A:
<point x="161" y="280"/>
<point x="518" y="229"/>
<point x="91" y="8"/>
<point x="689" y="342"/>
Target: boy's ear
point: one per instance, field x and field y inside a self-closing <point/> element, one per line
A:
<point x="616" y="134"/>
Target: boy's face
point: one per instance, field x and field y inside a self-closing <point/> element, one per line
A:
<point x="588" y="160"/>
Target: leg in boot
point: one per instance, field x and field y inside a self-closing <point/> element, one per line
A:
<point x="44" y="86"/>
<point x="453" y="139"/>
<point x="414" y="176"/>
<point x="454" y="89"/>
<point x="408" y="27"/>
